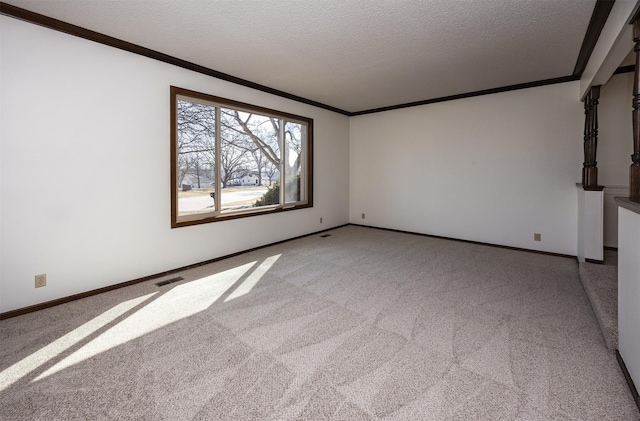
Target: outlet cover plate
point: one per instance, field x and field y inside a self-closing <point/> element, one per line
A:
<point x="41" y="280"/>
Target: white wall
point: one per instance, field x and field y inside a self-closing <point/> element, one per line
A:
<point x="495" y="168"/>
<point x="85" y="191"/>
<point x="629" y="291"/>
<point x="1" y="236"/>
<point x="615" y="146"/>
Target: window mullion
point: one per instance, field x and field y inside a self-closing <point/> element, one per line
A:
<point x="217" y="189"/>
<point x="283" y="157"/>
<point x="303" y="163"/>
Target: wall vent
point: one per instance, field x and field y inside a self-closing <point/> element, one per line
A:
<point x="169" y="281"/>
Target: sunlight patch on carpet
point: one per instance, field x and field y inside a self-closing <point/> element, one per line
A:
<point x="176" y="304"/>
<point x="253" y="279"/>
<point x="45" y="354"/>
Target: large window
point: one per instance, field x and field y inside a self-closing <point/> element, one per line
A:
<point x="231" y="160"/>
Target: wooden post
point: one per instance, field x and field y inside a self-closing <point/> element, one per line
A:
<point x="587" y="125"/>
<point x="590" y="165"/>
<point x="634" y="172"/>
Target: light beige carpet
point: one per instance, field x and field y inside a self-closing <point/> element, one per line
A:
<point x="600" y="282"/>
<point x="364" y="324"/>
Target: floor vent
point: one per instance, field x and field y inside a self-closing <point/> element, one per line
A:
<point x="325" y="236"/>
<point x="169" y="281"/>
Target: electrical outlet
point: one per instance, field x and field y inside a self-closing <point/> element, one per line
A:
<point x="41" y="280"/>
<point x="363" y="216"/>
<point x="321" y="220"/>
<point x="537" y="237"/>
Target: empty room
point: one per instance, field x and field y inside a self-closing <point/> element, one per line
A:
<point x="319" y="210"/>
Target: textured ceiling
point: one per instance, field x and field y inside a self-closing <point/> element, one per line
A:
<point x="351" y="54"/>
